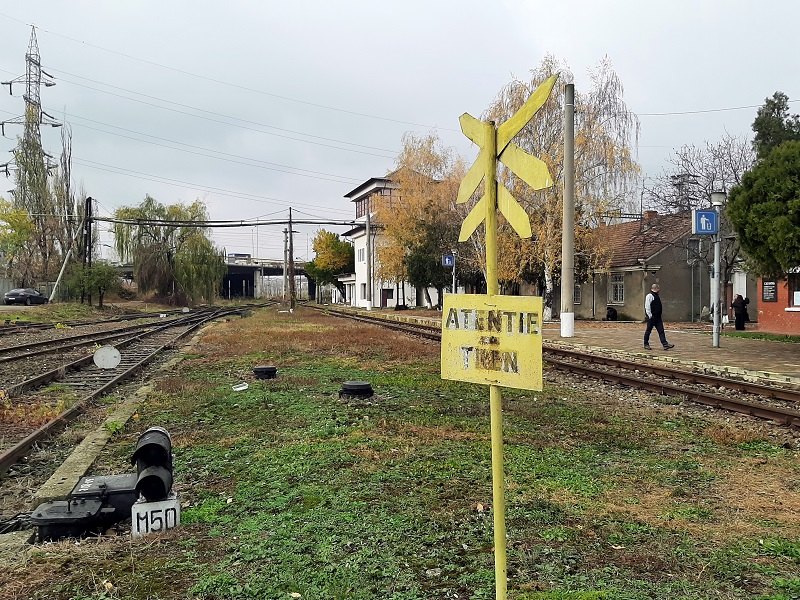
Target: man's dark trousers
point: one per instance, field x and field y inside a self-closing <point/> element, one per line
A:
<point x="658" y="323"/>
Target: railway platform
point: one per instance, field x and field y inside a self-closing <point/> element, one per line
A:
<point x="746" y="358"/>
<point x="762" y="359"/>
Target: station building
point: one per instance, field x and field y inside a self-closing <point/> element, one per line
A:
<point x="779" y="304"/>
<point x="656" y="249"/>
<point x="385" y="294"/>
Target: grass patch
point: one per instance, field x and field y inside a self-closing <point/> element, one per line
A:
<point x="757" y="335"/>
<point x="288" y="489"/>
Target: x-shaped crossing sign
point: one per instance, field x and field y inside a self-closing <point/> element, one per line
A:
<point x="530" y="169"/>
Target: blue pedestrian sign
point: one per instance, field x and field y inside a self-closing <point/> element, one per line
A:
<point x="705" y="222"/>
<point x="448" y="260"/>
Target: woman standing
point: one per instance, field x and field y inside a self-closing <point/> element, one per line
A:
<point x="739" y="306"/>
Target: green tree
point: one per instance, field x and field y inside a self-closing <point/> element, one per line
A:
<point x="333" y="257"/>
<point x="170" y="254"/>
<point x="424" y="265"/>
<point x="100" y="277"/>
<point x="16" y="229"/>
<point x="765" y="211"/>
<point x="774" y="125"/>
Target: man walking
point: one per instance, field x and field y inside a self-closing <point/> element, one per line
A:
<point x="652" y="306"/>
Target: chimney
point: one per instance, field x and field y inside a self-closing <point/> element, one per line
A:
<point x="649" y="214"/>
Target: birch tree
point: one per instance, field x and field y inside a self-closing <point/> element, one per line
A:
<point x="605" y="170"/>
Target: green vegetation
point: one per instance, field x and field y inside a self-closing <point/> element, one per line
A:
<point x="290" y="492"/>
<point x="758" y="335"/>
<point x="765" y="211"/>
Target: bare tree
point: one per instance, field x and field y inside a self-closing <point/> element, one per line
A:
<point x="694" y="173"/>
<point x="65" y="201"/>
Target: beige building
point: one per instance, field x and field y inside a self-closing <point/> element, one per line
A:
<point x="642" y="252"/>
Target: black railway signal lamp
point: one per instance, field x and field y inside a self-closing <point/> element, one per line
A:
<point x="153" y="460"/>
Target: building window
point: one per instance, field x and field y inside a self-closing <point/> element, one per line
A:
<point x="576" y="293"/>
<point x="361" y="254"/>
<point x="617" y="290"/>
<point x="794" y="290"/>
<point x="363" y="291"/>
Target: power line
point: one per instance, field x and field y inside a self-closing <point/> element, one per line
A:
<point x="356" y="113"/>
<point x="180" y="183"/>
<point x="327" y="176"/>
<point x="230" y="84"/>
<point x="210" y="112"/>
<point x="183" y="112"/>
<point x="222" y="224"/>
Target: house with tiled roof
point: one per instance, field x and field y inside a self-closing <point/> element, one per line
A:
<point x="653" y="249"/>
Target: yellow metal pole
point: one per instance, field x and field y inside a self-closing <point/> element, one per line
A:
<point x="498" y="491"/>
<point x="495" y="393"/>
<point x="490" y="156"/>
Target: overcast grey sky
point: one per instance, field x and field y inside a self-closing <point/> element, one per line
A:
<point x="256" y="106"/>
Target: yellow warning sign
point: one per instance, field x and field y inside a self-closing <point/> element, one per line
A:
<point x="494" y="340"/>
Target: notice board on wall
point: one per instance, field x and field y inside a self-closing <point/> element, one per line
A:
<point x="769" y="291"/>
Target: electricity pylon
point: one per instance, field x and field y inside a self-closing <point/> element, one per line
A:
<point x="34" y="116"/>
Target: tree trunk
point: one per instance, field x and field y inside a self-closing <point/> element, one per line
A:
<point x="428" y="297"/>
<point x="548" y="293"/>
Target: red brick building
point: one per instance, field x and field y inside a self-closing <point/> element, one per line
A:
<point x="779" y="304"/>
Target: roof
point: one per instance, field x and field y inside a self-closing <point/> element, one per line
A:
<point x="643" y="239"/>
<point x="354" y="230"/>
<point x="374" y="182"/>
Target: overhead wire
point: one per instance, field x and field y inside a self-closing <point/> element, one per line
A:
<point x="180" y="183"/>
<point x="224" y="155"/>
<point x="210" y="112"/>
<point x="223" y="82"/>
<point x="229" y="123"/>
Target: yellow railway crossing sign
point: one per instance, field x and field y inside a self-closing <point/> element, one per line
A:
<point x="493" y="340"/>
<point x="497" y="145"/>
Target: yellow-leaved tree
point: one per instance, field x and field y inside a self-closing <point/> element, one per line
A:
<point x="605" y="172"/>
<point x="417" y="223"/>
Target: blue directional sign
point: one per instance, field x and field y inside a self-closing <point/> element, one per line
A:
<point x="705" y="222"/>
<point x="448" y="260"/>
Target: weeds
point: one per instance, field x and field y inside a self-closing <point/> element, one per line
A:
<point x="290" y="492"/>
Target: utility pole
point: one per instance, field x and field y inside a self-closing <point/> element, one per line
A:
<point x="87" y="246"/>
<point x="285" y="288"/>
<point x="568" y="218"/>
<point x="717" y="200"/>
<point x="292" y="290"/>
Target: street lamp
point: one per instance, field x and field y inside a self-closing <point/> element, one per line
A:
<point x="717" y="200"/>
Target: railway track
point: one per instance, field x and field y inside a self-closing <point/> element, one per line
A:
<point x="768" y="402"/>
<point x="9" y="326"/>
<point x="84" y="381"/>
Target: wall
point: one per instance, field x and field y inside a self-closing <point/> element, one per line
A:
<point x="6" y="285"/>
<point x="773" y="317"/>
<point x="668" y="268"/>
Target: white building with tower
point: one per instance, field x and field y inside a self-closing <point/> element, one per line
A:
<point x="363" y="288"/>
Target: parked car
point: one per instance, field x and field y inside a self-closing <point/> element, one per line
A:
<point x="24" y="296"/>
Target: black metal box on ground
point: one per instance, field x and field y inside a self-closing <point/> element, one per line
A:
<point x="265" y="372"/>
<point x="117" y="491"/>
<point x="67" y="518"/>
